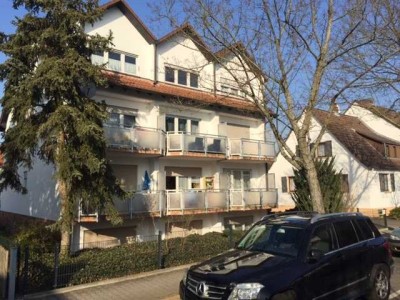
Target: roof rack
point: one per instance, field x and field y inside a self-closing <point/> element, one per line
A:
<point x="290" y="213"/>
<point x="319" y="217"/>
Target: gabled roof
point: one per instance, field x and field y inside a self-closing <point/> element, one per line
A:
<point x="203" y="99"/>
<point x="132" y="17"/>
<point x="239" y="49"/>
<point x="360" y="141"/>
<point x="188" y="30"/>
<point x="388" y="114"/>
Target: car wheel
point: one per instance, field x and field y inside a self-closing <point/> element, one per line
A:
<point x="379" y="283"/>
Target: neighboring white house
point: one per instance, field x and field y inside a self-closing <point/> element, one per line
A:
<point x="179" y="125"/>
<point x="369" y="160"/>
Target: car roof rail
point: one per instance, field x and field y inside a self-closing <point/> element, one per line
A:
<point x="300" y="213"/>
<point x="319" y="217"/>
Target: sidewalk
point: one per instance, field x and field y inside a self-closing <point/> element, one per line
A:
<point x="391" y="224"/>
<point x="158" y="284"/>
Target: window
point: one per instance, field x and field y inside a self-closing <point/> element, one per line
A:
<point x="384" y="182"/>
<point x="98" y="58"/>
<point x="288" y="185"/>
<point x="174" y="124"/>
<point x="363" y="230"/>
<point x="345" y="183"/>
<point x="321" y="239"/>
<point x="194" y="80"/>
<point x="230" y="87"/>
<point x="284" y="185"/>
<point x="169" y="74"/>
<point x="345" y="233"/>
<point x="392" y="183"/>
<point x="236" y="179"/>
<point x="324" y="149"/>
<point x="292" y="186"/>
<point x="121" y="119"/>
<point x="182" y="77"/>
<point x="130" y="64"/>
<point x="116" y="61"/>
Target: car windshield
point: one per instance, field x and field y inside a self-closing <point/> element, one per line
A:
<point x="280" y="239"/>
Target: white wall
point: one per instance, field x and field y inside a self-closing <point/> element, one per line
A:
<point x="41" y="200"/>
<point x="181" y="51"/>
<point x="126" y="38"/>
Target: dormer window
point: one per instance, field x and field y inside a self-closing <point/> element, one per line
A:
<point x="182" y="77"/>
<point x="116" y="61"/>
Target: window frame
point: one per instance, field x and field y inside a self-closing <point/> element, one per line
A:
<point x="190" y="79"/>
<point x="384" y="182"/>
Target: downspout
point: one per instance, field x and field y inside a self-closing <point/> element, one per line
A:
<point x="155" y="65"/>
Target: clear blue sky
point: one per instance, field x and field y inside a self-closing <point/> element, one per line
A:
<point x="7" y="14"/>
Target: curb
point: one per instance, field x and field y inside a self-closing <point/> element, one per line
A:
<point x="59" y="291"/>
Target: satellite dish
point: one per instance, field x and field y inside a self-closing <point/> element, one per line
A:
<point x="88" y="89"/>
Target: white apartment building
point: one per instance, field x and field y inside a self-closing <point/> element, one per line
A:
<point x="366" y="148"/>
<point x="180" y="135"/>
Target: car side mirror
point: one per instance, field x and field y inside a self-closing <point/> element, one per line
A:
<point x="314" y="255"/>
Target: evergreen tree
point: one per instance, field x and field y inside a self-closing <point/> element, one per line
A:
<point x="54" y="120"/>
<point x="330" y="182"/>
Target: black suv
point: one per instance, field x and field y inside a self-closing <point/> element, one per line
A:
<point x="298" y="256"/>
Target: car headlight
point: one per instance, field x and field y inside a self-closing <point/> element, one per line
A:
<point x="245" y="291"/>
<point x="184" y="277"/>
<point x="394" y="237"/>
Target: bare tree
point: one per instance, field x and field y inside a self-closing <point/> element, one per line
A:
<point x="289" y="57"/>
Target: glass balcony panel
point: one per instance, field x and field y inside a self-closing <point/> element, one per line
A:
<point x="122" y="206"/>
<point x="174" y="200"/>
<point x="269" y="198"/>
<point x="174" y="142"/>
<point x="216" y="199"/>
<point x="235" y="147"/>
<point x="149" y="139"/>
<point x="195" y="143"/>
<point x="250" y="148"/>
<point x="252" y="198"/>
<point x="216" y="145"/>
<point x="146" y="202"/>
<point x="118" y="137"/>
<point x="236" y="198"/>
<point x="193" y="200"/>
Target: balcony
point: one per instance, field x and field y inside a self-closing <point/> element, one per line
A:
<point x="182" y="202"/>
<point x="140" y="140"/>
<point x="246" y="149"/>
<point x="196" y="145"/>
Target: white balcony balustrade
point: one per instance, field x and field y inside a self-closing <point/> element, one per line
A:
<point x="135" y="139"/>
<point x="196" y="143"/>
<point x="246" y="148"/>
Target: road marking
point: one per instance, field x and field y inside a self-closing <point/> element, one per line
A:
<point x="394" y="295"/>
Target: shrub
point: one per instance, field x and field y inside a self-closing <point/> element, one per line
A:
<point x="395" y="213"/>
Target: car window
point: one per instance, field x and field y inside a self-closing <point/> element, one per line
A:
<point x="273" y="238"/>
<point x="345" y="233"/>
<point x="363" y="230"/>
<point x="321" y="239"/>
<point x="373" y="228"/>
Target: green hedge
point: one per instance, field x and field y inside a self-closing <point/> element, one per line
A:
<point x="99" y="264"/>
<point x="395" y="213"/>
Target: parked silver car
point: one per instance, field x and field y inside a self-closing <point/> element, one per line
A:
<point x="394" y="240"/>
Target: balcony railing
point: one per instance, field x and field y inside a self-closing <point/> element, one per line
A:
<point x="180" y="201"/>
<point x="135" y="139"/>
<point x="196" y="143"/>
<point x="246" y="148"/>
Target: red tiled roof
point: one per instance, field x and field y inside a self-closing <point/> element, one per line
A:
<point x="366" y="145"/>
<point x="175" y="93"/>
<point x="388" y="114"/>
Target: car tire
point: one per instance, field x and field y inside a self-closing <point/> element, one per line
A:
<point x="288" y="295"/>
<point x="379" y="283"/>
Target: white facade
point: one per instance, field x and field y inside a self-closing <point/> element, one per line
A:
<point x="207" y="164"/>
<point x="364" y="185"/>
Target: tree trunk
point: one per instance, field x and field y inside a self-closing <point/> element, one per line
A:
<point x="65" y="217"/>
<point x="315" y="189"/>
